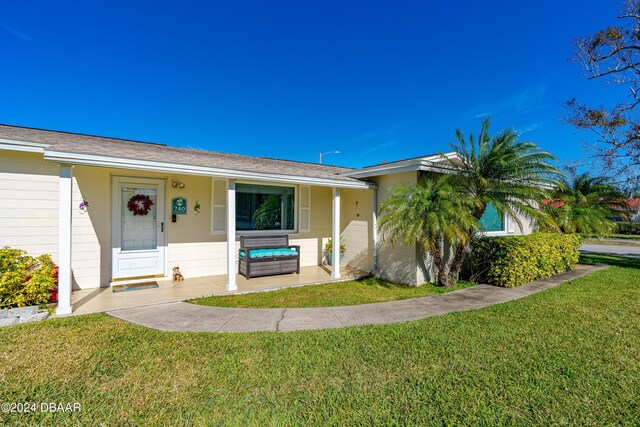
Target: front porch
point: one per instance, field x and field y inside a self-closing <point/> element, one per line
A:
<point x="103" y="299"/>
<point x="107" y="241"/>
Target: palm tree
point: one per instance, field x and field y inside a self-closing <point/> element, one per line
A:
<point x="510" y="174"/>
<point x="427" y="214"/>
<point x="584" y="205"/>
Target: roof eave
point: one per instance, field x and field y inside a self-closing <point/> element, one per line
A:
<point x="154" y="166"/>
<point x="419" y="164"/>
<point x="24" y="146"/>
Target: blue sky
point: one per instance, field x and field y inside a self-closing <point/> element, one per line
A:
<point x="289" y="79"/>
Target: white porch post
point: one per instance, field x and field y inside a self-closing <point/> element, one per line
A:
<point x="231" y="235"/>
<point x="64" y="240"/>
<point x="335" y="235"/>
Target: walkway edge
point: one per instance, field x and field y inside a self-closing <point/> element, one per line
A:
<point x="186" y="317"/>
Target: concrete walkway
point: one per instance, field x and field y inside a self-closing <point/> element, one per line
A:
<point x="181" y="316"/>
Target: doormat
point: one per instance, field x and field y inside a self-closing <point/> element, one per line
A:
<point x="134" y="286"/>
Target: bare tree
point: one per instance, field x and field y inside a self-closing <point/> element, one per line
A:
<point x="613" y="54"/>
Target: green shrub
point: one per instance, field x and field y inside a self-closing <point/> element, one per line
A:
<point x="628" y="228"/>
<point x="516" y="260"/>
<point x="25" y="280"/>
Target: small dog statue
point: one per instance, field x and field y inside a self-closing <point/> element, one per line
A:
<point x="177" y="276"/>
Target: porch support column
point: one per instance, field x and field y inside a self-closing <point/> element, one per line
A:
<point x="64" y="240"/>
<point x="335" y="235"/>
<point x="231" y="235"/>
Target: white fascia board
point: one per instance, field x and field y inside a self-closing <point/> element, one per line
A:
<point x="24" y="146"/>
<point x="147" y="165"/>
<point x="409" y="165"/>
<point x="385" y="169"/>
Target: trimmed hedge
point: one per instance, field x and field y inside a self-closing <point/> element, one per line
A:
<point x="510" y="261"/>
<point x="632" y="228"/>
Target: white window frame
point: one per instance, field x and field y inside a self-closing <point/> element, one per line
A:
<point x="508" y="227"/>
<point x="502" y="232"/>
<point x="296" y="207"/>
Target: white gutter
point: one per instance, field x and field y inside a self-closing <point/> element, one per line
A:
<point x="147" y="165"/>
<point x="24" y="146"/>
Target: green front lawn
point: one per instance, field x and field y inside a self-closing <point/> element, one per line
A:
<point x="568" y="355"/>
<point x="329" y="295"/>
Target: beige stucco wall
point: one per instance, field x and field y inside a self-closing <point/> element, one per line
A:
<point x="356" y="227"/>
<point x="397" y="264"/>
<point x="356" y="224"/>
<point x="527" y="227"/>
<point x="29" y="220"/>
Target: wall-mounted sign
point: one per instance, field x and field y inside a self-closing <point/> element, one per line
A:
<point x="179" y="206"/>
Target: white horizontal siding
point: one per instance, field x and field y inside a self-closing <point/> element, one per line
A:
<point x="198" y="259"/>
<point x="28" y="203"/>
<point x="29" y="213"/>
<point x="39" y="221"/>
<point x="12" y="193"/>
<point x="30" y="231"/>
<point x="308" y="251"/>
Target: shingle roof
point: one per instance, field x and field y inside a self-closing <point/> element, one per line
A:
<point x="553" y="203"/>
<point x="121" y="148"/>
<point x="632" y="204"/>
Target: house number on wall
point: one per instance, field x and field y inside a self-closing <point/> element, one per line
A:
<point x="179" y="206"/>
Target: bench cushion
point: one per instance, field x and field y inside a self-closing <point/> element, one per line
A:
<point x="262" y="253"/>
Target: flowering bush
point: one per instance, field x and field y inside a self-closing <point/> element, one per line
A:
<point x="25" y="280"/>
<point x="53" y="293"/>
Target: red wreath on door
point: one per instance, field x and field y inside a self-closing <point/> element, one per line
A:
<point x="140" y="204"/>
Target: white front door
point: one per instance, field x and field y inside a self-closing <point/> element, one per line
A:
<point x="138" y="227"/>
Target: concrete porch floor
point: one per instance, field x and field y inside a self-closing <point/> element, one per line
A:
<point x="99" y="300"/>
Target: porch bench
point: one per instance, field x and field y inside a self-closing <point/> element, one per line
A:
<point x="267" y="256"/>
